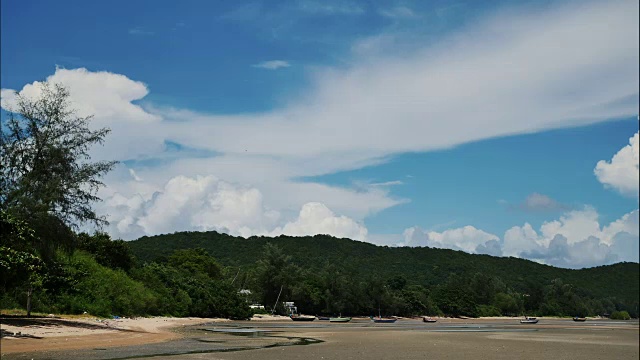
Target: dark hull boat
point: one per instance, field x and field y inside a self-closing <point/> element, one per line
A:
<point x="325" y="318"/>
<point x="340" y="319"/>
<point x="302" y="318"/>
<point x="380" y="320"/>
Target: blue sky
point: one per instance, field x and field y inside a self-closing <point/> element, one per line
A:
<point x="497" y="127"/>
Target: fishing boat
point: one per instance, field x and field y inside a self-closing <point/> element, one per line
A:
<point x="302" y="318"/>
<point x="581" y="319"/>
<point x="529" y="320"/>
<point x="429" y="319"/>
<point x="381" y="320"/>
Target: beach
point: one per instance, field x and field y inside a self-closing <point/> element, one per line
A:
<point x="280" y="338"/>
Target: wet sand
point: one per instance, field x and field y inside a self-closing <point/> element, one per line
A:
<point x="361" y="339"/>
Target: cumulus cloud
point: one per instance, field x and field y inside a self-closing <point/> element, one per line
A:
<point x="184" y="203"/>
<point x="575" y="240"/>
<point x="586" y="253"/>
<point x="203" y="203"/>
<point x="491" y="247"/>
<point x="466" y="238"/>
<point x="316" y="218"/>
<point x="272" y="64"/>
<point x="621" y="173"/>
<point x="108" y="97"/>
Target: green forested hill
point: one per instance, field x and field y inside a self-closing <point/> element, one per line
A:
<point x="419" y="266"/>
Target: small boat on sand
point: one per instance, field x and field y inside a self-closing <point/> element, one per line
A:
<point x="381" y="320"/>
<point x="428" y="319"/>
<point x="581" y="319"/>
<point x="529" y="320"/>
<point x="340" y="319"/>
<point x="325" y="318"/>
<point x="302" y="318"/>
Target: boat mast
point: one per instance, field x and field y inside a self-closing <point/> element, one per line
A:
<point x="276" y="304"/>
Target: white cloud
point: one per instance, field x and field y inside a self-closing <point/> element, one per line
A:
<point x="109" y="98"/>
<point x="575" y="240"/>
<point x="206" y="203"/>
<point x="134" y="175"/>
<point x="316" y="218"/>
<point x="184" y="203"/>
<point x="621" y="173"/>
<point x="586" y="253"/>
<point x="388" y="105"/>
<point x="388" y="183"/>
<point x="466" y="238"/>
<point x="272" y="64"/>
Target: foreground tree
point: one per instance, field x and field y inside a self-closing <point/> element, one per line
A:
<point x="47" y="178"/>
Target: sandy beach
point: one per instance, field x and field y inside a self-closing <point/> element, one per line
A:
<point x="51" y="333"/>
<point x="269" y="337"/>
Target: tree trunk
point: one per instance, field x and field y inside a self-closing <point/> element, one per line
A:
<point x="29" y="293"/>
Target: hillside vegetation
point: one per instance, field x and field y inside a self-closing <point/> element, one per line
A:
<point x="524" y="286"/>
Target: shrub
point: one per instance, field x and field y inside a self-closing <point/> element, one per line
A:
<point x="488" y="310"/>
<point x="620" y="315"/>
<point x="103" y="291"/>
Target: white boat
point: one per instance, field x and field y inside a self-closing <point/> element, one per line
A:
<point x="529" y="320"/>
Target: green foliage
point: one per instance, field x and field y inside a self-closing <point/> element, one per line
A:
<point x="275" y="272"/>
<point x="488" y="310"/>
<point x="620" y="315"/>
<point x="454" y="298"/>
<point x="507" y="304"/>
<point x="166" y="283"/>
<point x="102" y="291"/>
<point x="46" y="179"/>
<point x="21" y="269"/>
<point x="195" y="261"/>
<point x="189" y="284"/>
<point x="114" y="254"/>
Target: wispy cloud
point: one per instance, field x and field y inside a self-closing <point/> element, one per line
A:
<point x="398" y="12"/>
<point x="138" y="30"/>
<point x="246" y="12"/>
<point x="272" y="64"/>
<point x="330" y="8"/>
<point x="536" y="202"/>
<point x="388" y="183"/>
<point x="178" y="25"/>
